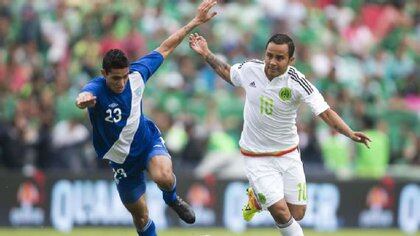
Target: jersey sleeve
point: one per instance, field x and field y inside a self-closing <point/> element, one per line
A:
<point x="310" y="95"/>
<point x="236" y="74"/>
<point x="92" y="86"/>
<point x="240" y="72"/>
<point x="147" y="65"/>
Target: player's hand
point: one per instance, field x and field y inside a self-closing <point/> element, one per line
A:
<point x="361" y="138"/>
<point x="198" y="43"/>
<point x="203" y="15"/>
<point x="85" y="99"/>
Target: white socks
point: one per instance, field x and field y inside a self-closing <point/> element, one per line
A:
<point x="291" y="228"/>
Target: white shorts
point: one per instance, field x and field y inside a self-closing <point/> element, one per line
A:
<point x="275" y="178"/>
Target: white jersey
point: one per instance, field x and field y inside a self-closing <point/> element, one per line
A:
<point x="271" y="106"/>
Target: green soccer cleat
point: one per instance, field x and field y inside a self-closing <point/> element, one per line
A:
<point x="251" y="207"/>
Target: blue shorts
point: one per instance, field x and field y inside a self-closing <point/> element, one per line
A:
<point x="129" y="176"/>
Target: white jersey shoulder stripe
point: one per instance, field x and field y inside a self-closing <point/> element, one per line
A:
<point x="121" y="148"/>
<point x="250" y="60"/>
<point x="305" y="82"/>
<point x="302" y="81"/>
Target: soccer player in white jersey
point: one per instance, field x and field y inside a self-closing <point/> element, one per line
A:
<point x="123" y="135"/>
<point x="269" y="140"/>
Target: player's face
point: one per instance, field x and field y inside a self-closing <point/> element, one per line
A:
<point x="116" y="79"/>
<point x="276" y="59"/>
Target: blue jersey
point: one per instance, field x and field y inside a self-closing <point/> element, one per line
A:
<point x="120" y="130"/>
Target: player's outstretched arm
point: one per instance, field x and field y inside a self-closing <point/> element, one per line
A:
<point x="202" y="16"/>
<point x="333" y="120"/>
<point x="199" y="44"/>
<point x="85" y="99"/>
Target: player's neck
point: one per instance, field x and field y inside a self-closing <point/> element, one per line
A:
<point x="271" y="77"/>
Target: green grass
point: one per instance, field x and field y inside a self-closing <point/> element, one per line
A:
<point x="189" y="232"/>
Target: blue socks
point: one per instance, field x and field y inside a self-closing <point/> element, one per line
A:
<point x="169" y="196"/>
<point x="148" y="230"/>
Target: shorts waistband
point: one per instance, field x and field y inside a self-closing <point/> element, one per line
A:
<point x="267" y="154"/>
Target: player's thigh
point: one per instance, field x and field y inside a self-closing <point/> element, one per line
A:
<point x="138" y="209"/>
<point x="130" y="182"/>
<point x="159" y="163"/>
<point x="295" y="182"/>
<point x="265" y="180"/>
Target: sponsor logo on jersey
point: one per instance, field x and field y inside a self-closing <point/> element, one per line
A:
<point x="113" y="105"/>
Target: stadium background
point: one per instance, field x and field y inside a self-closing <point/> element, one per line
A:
<point x="362" y="55"/>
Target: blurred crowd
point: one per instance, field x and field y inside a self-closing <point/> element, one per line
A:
<point x="362" y="55"/>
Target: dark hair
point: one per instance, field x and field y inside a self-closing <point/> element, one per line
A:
<point x="282" y="39"/>
<point x="114" y="58"/>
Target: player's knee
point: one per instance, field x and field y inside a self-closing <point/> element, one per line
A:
<point x="165" y="179"/>
<point x="299" y="213"/>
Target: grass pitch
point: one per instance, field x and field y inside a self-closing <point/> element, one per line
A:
<point x="190" y="232"/>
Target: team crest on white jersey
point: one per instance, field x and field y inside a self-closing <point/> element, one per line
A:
<point x="252" y="84"/>
<point x="138" y="92"/>
<point x="285" y="94"/>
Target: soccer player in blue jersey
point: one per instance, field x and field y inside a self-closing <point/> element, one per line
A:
<point x="125" y="136"/>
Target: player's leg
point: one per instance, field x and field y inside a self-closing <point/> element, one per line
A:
<point x="266" y="185"/>
<point x="295" y="186"/>
<point x="295" y="197"/>
<point x="287" y="225"/>
<point x="266" y="178"/>
<point x="140" y="214"/>
<point x="131" y="187"/>
<point x="160" y="171"/>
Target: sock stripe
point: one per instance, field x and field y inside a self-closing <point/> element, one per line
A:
<point x="174" y="186"/>
<point x="147" y="225"/>
<point x="285" y="225"/>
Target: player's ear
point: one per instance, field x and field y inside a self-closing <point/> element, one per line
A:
<point x="291" y="60"/>
<point x="103" y="72"/>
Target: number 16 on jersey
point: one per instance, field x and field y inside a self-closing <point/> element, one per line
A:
<point x="266" y="105"/>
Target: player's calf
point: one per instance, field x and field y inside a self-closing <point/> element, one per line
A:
<point x="287" y="225"/>
<point x="140" y="214"/>
<point x="160" y="169"/>
<point x="140" y="220"/>
<point x="280" y="212"/>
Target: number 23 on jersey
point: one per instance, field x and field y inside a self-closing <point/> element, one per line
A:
<point x="113" y="115"/>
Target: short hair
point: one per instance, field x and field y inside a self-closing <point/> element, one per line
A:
<point x="282" y="39"/>
<point x="114" y="59"/>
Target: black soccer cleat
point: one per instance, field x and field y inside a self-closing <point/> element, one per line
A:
<point x="184" y="211"/>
